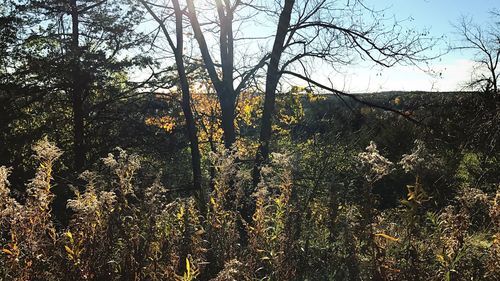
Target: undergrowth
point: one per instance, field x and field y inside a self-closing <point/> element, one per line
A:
<point x="120" y="230"/>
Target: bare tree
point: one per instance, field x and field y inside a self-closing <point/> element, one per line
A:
<point x="178" y="50"/>
<point x="224" y="86"/>
<point x="484" y="42"/>
<point x="331" y="32"/>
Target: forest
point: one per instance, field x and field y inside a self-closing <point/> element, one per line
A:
<point x="203" y="140"/>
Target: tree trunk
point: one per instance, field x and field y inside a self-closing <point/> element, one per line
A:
<point x="224" y="87"/>
<point x="272" y="78"/>
<point x="192" y="131"/>
<point x="77" y="93"/>
<point x="227" y="102"/>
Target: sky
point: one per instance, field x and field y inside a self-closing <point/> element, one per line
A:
<point x="438" y="16"/>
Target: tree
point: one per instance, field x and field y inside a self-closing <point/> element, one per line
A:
<point x="74" y="53"/>
<point x="336" y="33"/>
<point x="11" y="104"/>
<point x="224" y="86"/>
<point x="484" y="42"/>
<point x="177" y="49"/>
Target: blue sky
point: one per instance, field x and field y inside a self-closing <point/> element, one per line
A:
<point x="438" y="16"/>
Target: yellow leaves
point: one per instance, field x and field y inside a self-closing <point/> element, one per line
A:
<point x="397" y="101"/>
<point x="290" y="112"/>
<point x="190" y="274"/>
<point x="413" y="192"/>
<point x="312" y="97"/>
<point x="388" y="237"/>
<point x="70" y="252"/>
<point x="188" y="265"/>
<point x="416" y="192"/>
<point x="166" y="123"/>
<point x="70" y="236"/>
<point x="207" y="112"/>
<point x="212" y="201"/>
<point x="411" y="195"/>
<point x="289" y="119"/>
<point x="180" y="214"/>
<point x="75" y="249"/>
<point x="49" y="176"/>
<point x="73" y="254"/>
<point x="12" y="249"/>
<point x="297" y="89"/>
<point x="278" y="201"/>
<point x="248" y="109"/>
<point x="7" y="251"/>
